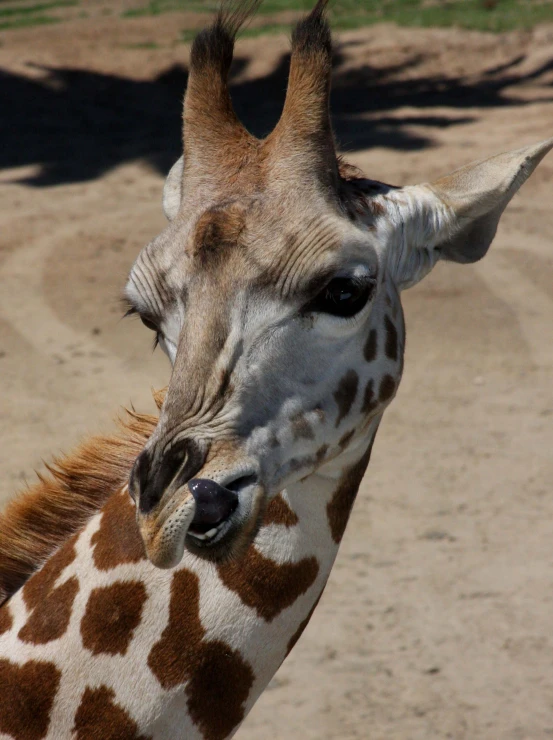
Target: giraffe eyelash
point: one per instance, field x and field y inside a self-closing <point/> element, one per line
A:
<point x="133" y="311"/>
<point x="129" y="308"/>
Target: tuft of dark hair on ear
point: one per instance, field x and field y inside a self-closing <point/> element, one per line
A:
<point x="214" y="46"/>
<point x="312" y="35"/>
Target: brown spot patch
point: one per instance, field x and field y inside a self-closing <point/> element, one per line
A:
<point x="99" y="717"/>
<point x="49" y="620"/>
<point x="278" y="512"/>
<point x="321" y="454"/>
<point x="371" y="346"/>
<point x="265" y="585"/>
<point x="387" y="388"/>
<point x="219" y="680"/>
<point x="391" y="339"/>
<point x="218" y="690"/>
<point x="117" y="541"/>
<point x="111" y="616"/>
<point x="173" y="657"/>
<point x="41" y="583"/>
<point x="301" y="428"/>
<point x="6" y="619"/>
<point x="26" y="698"/>
<point x="339" y="507"/>
<point x="369" y="401"/>
<point x="298" y="633"/>
<point x="345" y="394"/>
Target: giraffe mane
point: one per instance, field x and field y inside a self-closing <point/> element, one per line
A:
<point x="42" y="517"/>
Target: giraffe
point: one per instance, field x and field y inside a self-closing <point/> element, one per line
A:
<point x="161" y="607"/>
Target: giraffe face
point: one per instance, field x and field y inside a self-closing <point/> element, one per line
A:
<point x="285" y="332"/>
<point x="275" y="293"/>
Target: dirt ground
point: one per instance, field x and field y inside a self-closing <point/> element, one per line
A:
<point x="436" y="622"/>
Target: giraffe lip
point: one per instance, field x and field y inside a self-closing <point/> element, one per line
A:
<point x="208" y="535"/>
<point x="203" y="529"/>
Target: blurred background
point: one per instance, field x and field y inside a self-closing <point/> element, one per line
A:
<point x="436" y="622"/>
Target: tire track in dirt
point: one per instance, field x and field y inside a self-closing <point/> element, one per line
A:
<point x="59" y="383"/>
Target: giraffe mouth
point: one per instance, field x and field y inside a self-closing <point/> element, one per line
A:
<point x="207" y="535"/>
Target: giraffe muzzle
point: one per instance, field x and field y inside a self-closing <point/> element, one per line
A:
<point x="201" y="510"/>
<point x="201" y="515"/>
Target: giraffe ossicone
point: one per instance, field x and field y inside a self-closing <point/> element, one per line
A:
<point x="275" y="292"/>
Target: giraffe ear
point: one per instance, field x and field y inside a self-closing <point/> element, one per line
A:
<point x="172" y="190"/>
<point x="456" y="217"/>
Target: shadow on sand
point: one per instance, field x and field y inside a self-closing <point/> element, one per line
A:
<point x="78" y="124"/>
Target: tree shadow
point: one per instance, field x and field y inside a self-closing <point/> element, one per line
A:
<point x="79" y="124"/>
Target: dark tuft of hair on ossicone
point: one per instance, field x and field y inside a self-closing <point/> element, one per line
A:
<point x="312" y="34"/>
<point x="215" y="44"/>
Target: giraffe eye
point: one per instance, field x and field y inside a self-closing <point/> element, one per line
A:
<point x="149" y="324"/>
<point x="343" y="297"/>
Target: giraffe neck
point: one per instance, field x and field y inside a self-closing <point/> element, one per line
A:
<point x="101" y="635"/>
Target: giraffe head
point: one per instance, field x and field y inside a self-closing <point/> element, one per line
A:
<point x="274" y="291"/>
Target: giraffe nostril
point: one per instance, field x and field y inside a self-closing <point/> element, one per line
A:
<point x="239" y="484"/>
<point x="139" y="474"/>
<point x="157" y="475"/>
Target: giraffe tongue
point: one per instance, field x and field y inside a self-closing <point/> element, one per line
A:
<point x="214" y="504"/>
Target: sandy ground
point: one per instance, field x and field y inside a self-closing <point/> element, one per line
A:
<point x="436" y="622"/>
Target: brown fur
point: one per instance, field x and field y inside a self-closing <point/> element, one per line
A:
<point x="111" y="616"/>
<point x="304" y="131"/>
<point x="117" y="540"/>
<point x="39" y="520"/>
<point x="50" y="619"/>
<point x="339" y="507"/>
<point x="306" y="109"/>
<point x="345" y="394"/>
<point x="100" y="717"/>
<point x="31" y="687"/>
<point x="212" y="132"/>
<point x="217" y="232"/>
<point x="266" y="586"/>
<point x="279" y="512"/>
<point x="215" y="141"/>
